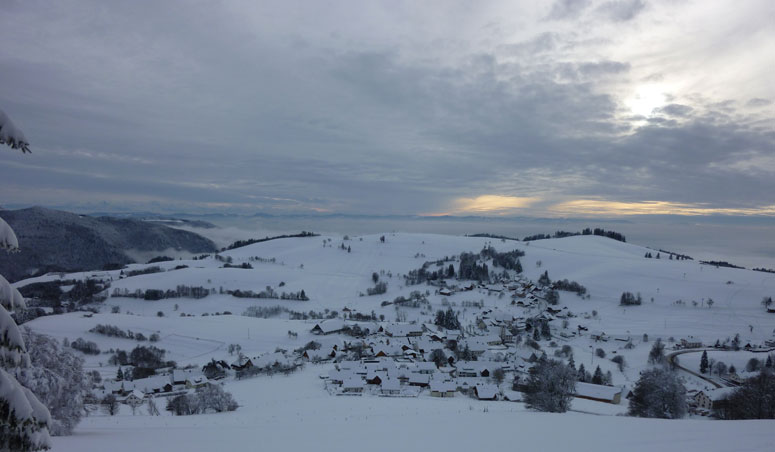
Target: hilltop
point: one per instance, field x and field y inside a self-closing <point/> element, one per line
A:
<point x="55" y="240"/>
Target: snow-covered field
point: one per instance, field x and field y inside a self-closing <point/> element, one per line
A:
<point x="297" y="413"/>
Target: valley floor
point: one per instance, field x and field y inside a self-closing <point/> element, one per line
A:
<point x="295" y="413"/>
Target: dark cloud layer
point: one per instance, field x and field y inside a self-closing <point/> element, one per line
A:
<point x="384" y="108"/>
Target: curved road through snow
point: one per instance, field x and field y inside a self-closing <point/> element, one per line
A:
<point x="671" y="361"/>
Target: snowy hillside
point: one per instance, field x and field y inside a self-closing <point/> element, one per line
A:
<point x="336" y="274"/>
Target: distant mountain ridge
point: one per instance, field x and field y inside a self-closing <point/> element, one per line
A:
<point x="55" y="240"/>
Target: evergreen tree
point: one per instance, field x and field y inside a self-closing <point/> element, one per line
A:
<point x="545" y="331"/>
<point x="597" y="377"/>
<point x="581" y="374"/>
<point x="120" y="375"/>
<point x="24" y="420"/>
<point x="736" y="342"/>
<point x="544" y="279"/>
<point x="704" y="362"/>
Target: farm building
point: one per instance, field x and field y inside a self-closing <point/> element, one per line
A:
<point x="329" y="326"/>
<point x="600" y="393"/>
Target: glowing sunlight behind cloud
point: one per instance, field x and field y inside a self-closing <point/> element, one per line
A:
<point x="581" y="207"/>
<point x="489" y="204"/>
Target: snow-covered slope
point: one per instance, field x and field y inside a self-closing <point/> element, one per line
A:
<point x="334" y="278"/>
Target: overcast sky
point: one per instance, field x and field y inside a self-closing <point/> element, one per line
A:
<point x="570" y="108"/>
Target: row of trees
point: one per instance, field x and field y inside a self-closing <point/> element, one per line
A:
<point x="181" y="291"/>
<point x="114" y="331"/>
<point x="241" y="243"/>
<point x="447" y="319"/>
<point x="210" y="398"/>
<point x="587" y="231"/>
<point x="570" y="286"/>
<point x="754" y="399"/>
<point x="628" y="299"/>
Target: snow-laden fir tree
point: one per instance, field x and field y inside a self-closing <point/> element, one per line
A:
<point x="704" y="362"/>
<point x="24" y="420"/>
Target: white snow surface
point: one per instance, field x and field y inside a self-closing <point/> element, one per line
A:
<point x="12" y="135"/>
<point x="8" y="240"/>
<point x="296" y="412"/>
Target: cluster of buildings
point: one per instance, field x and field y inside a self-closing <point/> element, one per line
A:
<point x="179" y="381"/>
<point x="397" y="360"/>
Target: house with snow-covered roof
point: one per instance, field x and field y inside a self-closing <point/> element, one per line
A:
<point x="599" y="393"/>
<point x="329" y="326"/>
<point x="242" y="362"/>
<point x="421" y="380"/>
<point x="318" y="355"/>
<point x="153" y="385"/>
<point x="440" y="388"/>
<point x="390" y="386"/>
<point x="486" y="392"/>
<point x="701" y="400"/>
<point x="353" y="385"/>
<point x="180" y="376"/>
<point x="197" y="382"/>
<point x="135" y="398"/>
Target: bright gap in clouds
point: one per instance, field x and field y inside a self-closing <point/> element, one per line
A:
<point x="646" y="98"/>
<point x="484" y="204"/>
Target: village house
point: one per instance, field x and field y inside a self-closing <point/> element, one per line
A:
<point x="700" y="400"/>
<point x="599" y="393"/>
<point x="318" y="355"/>
<point x="376" y="377"/>
<point x="425" y="367"/>
<point x="442" y="388"/>
<point x="421" y="380"/>
<point x="390" y="387"/>
<point x="135" y="398"/>
<point x="474" y="369"/>
<point x="337" y="377"/>
<point x="690" y="344"/>
<point x="352" y="386"/>
<point x="486" y="392"/>
<point x="329" y="326"/>
<point x="197" y="382"/>
<point x="241" y="363"/>
<point x="180" y="376"/>
<point x="153" y="385"/>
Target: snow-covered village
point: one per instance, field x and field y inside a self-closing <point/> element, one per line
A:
<point x="387" y="226"/>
